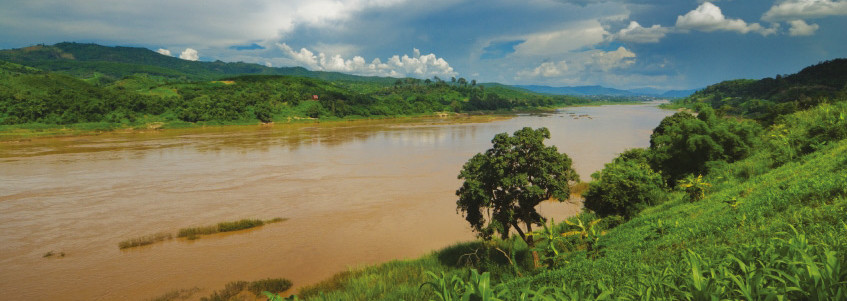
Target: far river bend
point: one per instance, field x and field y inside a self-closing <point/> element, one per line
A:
<point x="355" y="193"/>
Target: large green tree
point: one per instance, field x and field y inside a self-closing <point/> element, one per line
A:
<point x="503" y="185"/>
<point x="682" y="143"/>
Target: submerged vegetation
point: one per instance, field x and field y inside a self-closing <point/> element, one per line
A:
<point x="145" y="240"/>
<point x="192" y="233"/>
<point x="195" y="232"/>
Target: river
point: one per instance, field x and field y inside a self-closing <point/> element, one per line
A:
<point x="354" y="193"/>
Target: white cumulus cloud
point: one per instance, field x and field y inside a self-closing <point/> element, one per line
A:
<point x="805" y="9"/>
<point x="578" y="35"/>
<point x="709" y="17"/>
<point x="607" y="60"/>
<point x="417" y="65"/>
<point x="635" y="33"/>
<point x="546" y="69"/>
<point x="189" y="54"/>
<point x="164" y="51"/>
<point x="587" y="61"/>
<point x="800" y="28"/>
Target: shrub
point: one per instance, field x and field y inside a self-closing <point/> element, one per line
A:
<point x="624" y="187"/>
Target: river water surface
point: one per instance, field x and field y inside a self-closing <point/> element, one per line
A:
<point x="354" y="193"/>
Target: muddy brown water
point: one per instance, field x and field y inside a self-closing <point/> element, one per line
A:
<point x="354" y="193"/>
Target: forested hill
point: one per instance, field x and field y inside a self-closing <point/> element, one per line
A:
<point x="769" y="97"/>
<point x="113" y="63"/>
<point x="83" y="87"/>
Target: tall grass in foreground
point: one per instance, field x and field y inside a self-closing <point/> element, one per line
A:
<point x="778" y="269"/>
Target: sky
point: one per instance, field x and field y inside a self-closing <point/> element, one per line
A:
<point x="669" y="44"/>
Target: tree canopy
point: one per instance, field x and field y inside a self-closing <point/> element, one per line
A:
<point x="682" y="143"/>
<point x="625" y="186"/>
<point x="504" y="184"/>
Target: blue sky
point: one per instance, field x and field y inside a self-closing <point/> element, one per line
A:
<point x="616" y="43"/>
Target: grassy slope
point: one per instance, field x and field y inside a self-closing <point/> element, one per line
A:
<point x="809" y="194"/>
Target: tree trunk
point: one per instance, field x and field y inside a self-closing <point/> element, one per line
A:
<point x="536" y="261"/>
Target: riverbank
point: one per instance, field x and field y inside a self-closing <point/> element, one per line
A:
<point x="11" y="133"/>
<point x="23" y="132"/>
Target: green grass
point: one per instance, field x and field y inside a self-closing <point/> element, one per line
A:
<point x="144" y="240"/>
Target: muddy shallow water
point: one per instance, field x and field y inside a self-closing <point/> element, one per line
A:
<point x="354" y="193"/>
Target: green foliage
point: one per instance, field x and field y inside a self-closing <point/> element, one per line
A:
<point x="30" y="95"/>
<point x="694" y="187"/>
<point x="263" y="112"/>
<point x="807" y="131"/>
<point x="132" y="87"/>
<point x="625" y="186"/>
<point x="767" y="99"/>
<point x="586" y="233"/>
<point x="477" y="287"/>
<point x="682" y="144"/>
<point x="509" y="180"/>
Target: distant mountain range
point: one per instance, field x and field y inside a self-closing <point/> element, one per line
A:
<point x="605" y="91"/>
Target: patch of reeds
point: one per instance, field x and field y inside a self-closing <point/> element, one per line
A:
<point x="233" y="289"/>
<point x="192" y="233"/>
<point x="196" y="232"/>
<point x="239" y="225"/>
<point x="144" y="240"/>
<point x="276" y="220"/>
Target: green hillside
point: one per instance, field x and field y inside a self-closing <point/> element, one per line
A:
<point x="717" y="208"/>
<point x="97" y="87"/>
<point x="91" y="60"/>
<point x="768" y="98"/>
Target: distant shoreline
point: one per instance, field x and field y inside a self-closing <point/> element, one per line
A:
<point x="26" y="132"/>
